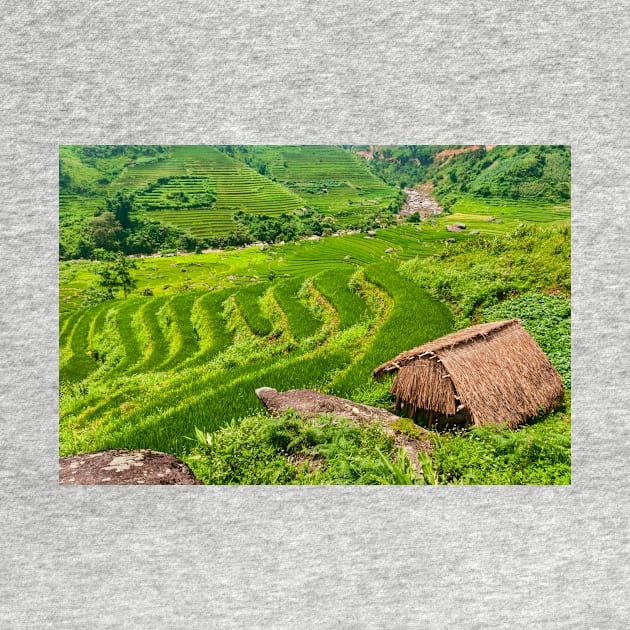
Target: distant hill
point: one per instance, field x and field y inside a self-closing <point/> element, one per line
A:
<point x="149" y="198"/>
<point x="525" y="172"/>
<point x="144" y="199"/>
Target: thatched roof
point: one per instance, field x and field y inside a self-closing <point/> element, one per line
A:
<point x="496" y="371"/>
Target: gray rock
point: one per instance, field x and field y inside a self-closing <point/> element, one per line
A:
<point x="125" y="467"/>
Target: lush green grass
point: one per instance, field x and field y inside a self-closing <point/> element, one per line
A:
<point x="291" y="450"/>
<point x="210" y="326"/>
<point x="539" y="453"/>
<point x="334" y="286"/>
<point x="188" y="368"/>
<point x="248" y="302"/>
<point x="303" y="322"/>
<point x="185" y="337"/>
<point x="79" y="363"/>
<point x="415" y="318"/>
<point x="178" y="365"/>
<point x="157" y="351"/>
<point x="478" y="274"/>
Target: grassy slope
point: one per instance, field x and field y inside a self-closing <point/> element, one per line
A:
<point x="151" y="385"/>
<point x="329" y="178"/>
<point x="537" y="453"/>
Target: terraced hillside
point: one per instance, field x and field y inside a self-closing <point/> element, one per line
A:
<point x="401" y="242"/>
<point x="329" y="178"/>
<point x="198" y="189"/>
<point x="144" y="372"/>
<point x="237" y="186"/>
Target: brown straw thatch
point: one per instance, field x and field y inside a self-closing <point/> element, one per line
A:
<point x="496" y="372"/>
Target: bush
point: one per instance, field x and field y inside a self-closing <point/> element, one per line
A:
<point x="293" y="450"/>
<point x="535" y="454"/>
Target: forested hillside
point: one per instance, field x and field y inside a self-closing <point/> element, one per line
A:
<point x="526" y="172"/>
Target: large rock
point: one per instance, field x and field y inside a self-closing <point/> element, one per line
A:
<point x="309" y="403"/>
<point x="125" y="467"/>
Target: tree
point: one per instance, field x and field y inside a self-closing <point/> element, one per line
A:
<point x="105" y="230"/>
<point x="115" y="271"/>
<point x="120" y="206"/>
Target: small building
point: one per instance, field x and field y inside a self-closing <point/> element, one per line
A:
<point x="492" y="372"/>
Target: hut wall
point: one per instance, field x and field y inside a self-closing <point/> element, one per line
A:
<point x="424" y="385"/>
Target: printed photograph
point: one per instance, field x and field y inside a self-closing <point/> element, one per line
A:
<point x="282" y="315"/>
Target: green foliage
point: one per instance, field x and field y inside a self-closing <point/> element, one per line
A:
<point x="292" y="450"/>
<point x="97" y="294"/>
<point x="121" y="207"/>
<point x="115" y="271"/>
<point x="478" y="274"/>
<point x="106" y="231"/>
<point x="397" y="473"/>
<point x="539" y="453"/>
<point x="403" y="165"/>
<point x="508" y="172"/>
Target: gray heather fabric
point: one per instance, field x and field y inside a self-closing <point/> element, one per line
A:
<point x="301" y="72"/>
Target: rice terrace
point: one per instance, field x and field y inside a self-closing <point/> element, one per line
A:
<point x="248" y="314"/>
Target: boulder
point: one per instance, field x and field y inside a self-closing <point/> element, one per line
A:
<point x="461" y="226"/>
<point x="453" y="228"/>
<point x="125" y="467"/>
<point x="309" y="403"/>
<point x="389" y="250"/>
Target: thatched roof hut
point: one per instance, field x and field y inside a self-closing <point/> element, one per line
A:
<point x="493" y="372"/>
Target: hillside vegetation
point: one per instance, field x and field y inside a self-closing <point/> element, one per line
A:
<point x="174" y="366"/>
<point x="527" y="173"/>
